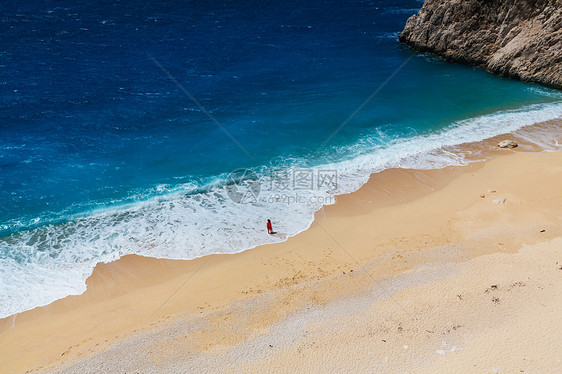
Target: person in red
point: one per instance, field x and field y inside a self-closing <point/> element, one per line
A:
<point x="269" y="227"/>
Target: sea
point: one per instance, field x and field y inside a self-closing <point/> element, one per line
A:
<point x="175" y="129"/>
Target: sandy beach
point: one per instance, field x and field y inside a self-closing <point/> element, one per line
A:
<point x="450" y="270"/>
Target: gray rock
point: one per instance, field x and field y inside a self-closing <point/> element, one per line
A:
<point x="501" y="200"/>
<point x="515" y="38"/>
<point x="507" y="144"/>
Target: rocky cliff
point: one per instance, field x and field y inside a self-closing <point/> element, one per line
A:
<point x="515" y="38"/>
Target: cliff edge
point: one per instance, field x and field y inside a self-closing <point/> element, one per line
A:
<point x="515" y="38"/>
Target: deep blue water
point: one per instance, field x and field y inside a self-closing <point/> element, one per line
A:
<point x="96" y="140"/>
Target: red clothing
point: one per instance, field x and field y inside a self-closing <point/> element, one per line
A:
<point x="269" y="227"/>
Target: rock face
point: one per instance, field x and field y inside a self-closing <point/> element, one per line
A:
<point x="515" y="38"/>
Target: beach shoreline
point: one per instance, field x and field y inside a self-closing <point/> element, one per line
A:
<point x="401" y="220"/>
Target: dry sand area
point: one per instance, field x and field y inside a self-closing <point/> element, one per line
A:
<point x="437" y="271"/>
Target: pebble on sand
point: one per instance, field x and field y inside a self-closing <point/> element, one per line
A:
<point x="507" y="144"/>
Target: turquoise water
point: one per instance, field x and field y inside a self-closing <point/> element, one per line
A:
<point x="102" y="154"/>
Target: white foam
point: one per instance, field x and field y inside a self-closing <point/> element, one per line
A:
<point x="51" y="262"/>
